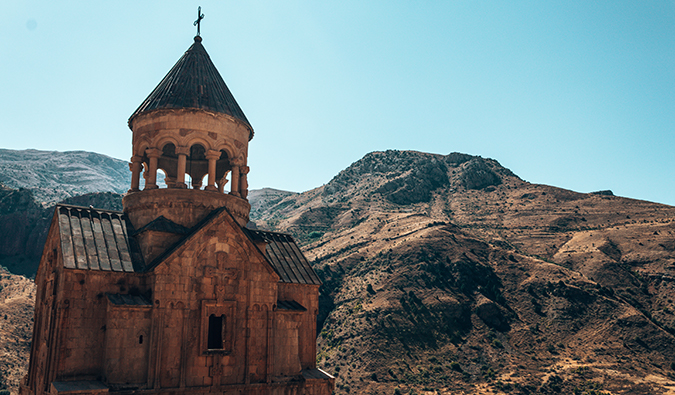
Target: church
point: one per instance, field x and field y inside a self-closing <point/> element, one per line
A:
<point x="175" y="294"/>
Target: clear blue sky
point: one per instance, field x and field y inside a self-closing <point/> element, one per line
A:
<point x="575" y="94"/>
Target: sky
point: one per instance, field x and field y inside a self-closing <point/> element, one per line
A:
<point x="574" y="94"/>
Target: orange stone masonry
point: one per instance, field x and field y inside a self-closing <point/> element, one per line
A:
<point x="175" y="294"/>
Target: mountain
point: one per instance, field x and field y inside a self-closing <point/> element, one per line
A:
<point x="450" y="273"/>
<point x="53" y="176"/>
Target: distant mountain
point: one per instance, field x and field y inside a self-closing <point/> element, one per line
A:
<point x="53" y="176"/>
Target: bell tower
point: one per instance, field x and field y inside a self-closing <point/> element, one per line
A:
<point x="175" y="295"/>
<point x="192" y="129"/>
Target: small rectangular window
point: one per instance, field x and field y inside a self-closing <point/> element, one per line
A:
<point x="216" y="328"/>
<point x="218" y="323"/>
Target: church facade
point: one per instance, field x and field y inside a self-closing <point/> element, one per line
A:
<point x="175" y="294"/>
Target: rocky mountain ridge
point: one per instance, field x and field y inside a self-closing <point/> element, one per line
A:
<point x="450" y="274"/>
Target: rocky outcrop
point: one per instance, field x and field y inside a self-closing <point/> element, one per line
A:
<point x="477" y="174"/>
<point x="491" y="313"/>
<point x="417" y="184"/>
<point x="410" y="177"/>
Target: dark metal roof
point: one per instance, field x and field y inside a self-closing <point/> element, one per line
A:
<point x="128" y="300"/>
<point x="285" y="257"/>
<point x="316" y="374"/>
<point x="290" y="305"/>
<point x="80" y="386"/>
<point x="93" y="239"/>
<point x="193" y="82"/>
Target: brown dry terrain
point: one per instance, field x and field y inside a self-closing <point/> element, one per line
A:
<point x="449" y="274"/>
<point x="17" y="298"/>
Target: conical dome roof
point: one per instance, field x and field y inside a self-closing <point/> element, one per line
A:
<point x="193" y="82"/>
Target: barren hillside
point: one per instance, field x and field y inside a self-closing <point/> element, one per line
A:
<point x="53" y="176"/>
<point x="450" y="273"/>
<point x="17" y="296"/>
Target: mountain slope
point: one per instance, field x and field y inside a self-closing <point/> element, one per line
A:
<point x="17" y="298"/>
<point x="53" y="176"/>
<point x="451" y="273"/>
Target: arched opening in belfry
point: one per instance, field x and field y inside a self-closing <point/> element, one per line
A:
<point x="163" y="180"/>
<point x="223" y="168"/>
<point x="168" y="163"/>
<point x="143" y="172"/>
<point x="197" y="166"/>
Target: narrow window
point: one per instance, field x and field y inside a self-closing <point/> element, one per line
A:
<point x="216" y="325"/>
<point x="140" y="339"/>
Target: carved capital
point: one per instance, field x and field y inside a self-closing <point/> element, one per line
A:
<point x="236" y="162"/>
<point x="136" y="159"/>
<point x="182" y="150"/>
<point x="244" y="170"/>
<point x="153" y="153"/>
<point x="212" y="154"/>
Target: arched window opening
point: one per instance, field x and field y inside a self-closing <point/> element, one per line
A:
<point x="168" y="163"/>
<point x="145" y="168"/>
<point x="197" y="166"/>
<point x="222" y="170"/>
<point x="169" y="150"/>
<point x="163" y="180"/>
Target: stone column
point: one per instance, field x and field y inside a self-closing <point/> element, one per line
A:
<point x="235" y="179"/>
<point x="180" y="171"/>
<point x="135" y="168"/>
<point x="153" y="154"/>
<point x="212" y="156"/>
<point x="243" y="182"/>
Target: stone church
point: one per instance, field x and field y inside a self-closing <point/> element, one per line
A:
<point x="175" y="294"/>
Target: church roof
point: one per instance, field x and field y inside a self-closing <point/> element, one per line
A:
<point x="96" y="240"/>
<point x="103" y="240"/>
<point x="193" y="82"/>
<point x="285" y="256"/>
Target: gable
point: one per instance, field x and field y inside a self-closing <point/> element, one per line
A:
<point x="217" y="241"/>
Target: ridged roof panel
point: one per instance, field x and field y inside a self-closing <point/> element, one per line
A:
<point x="283" y="253"/>
<point x="193" y="82"/>
<point x="93" y="239"/>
